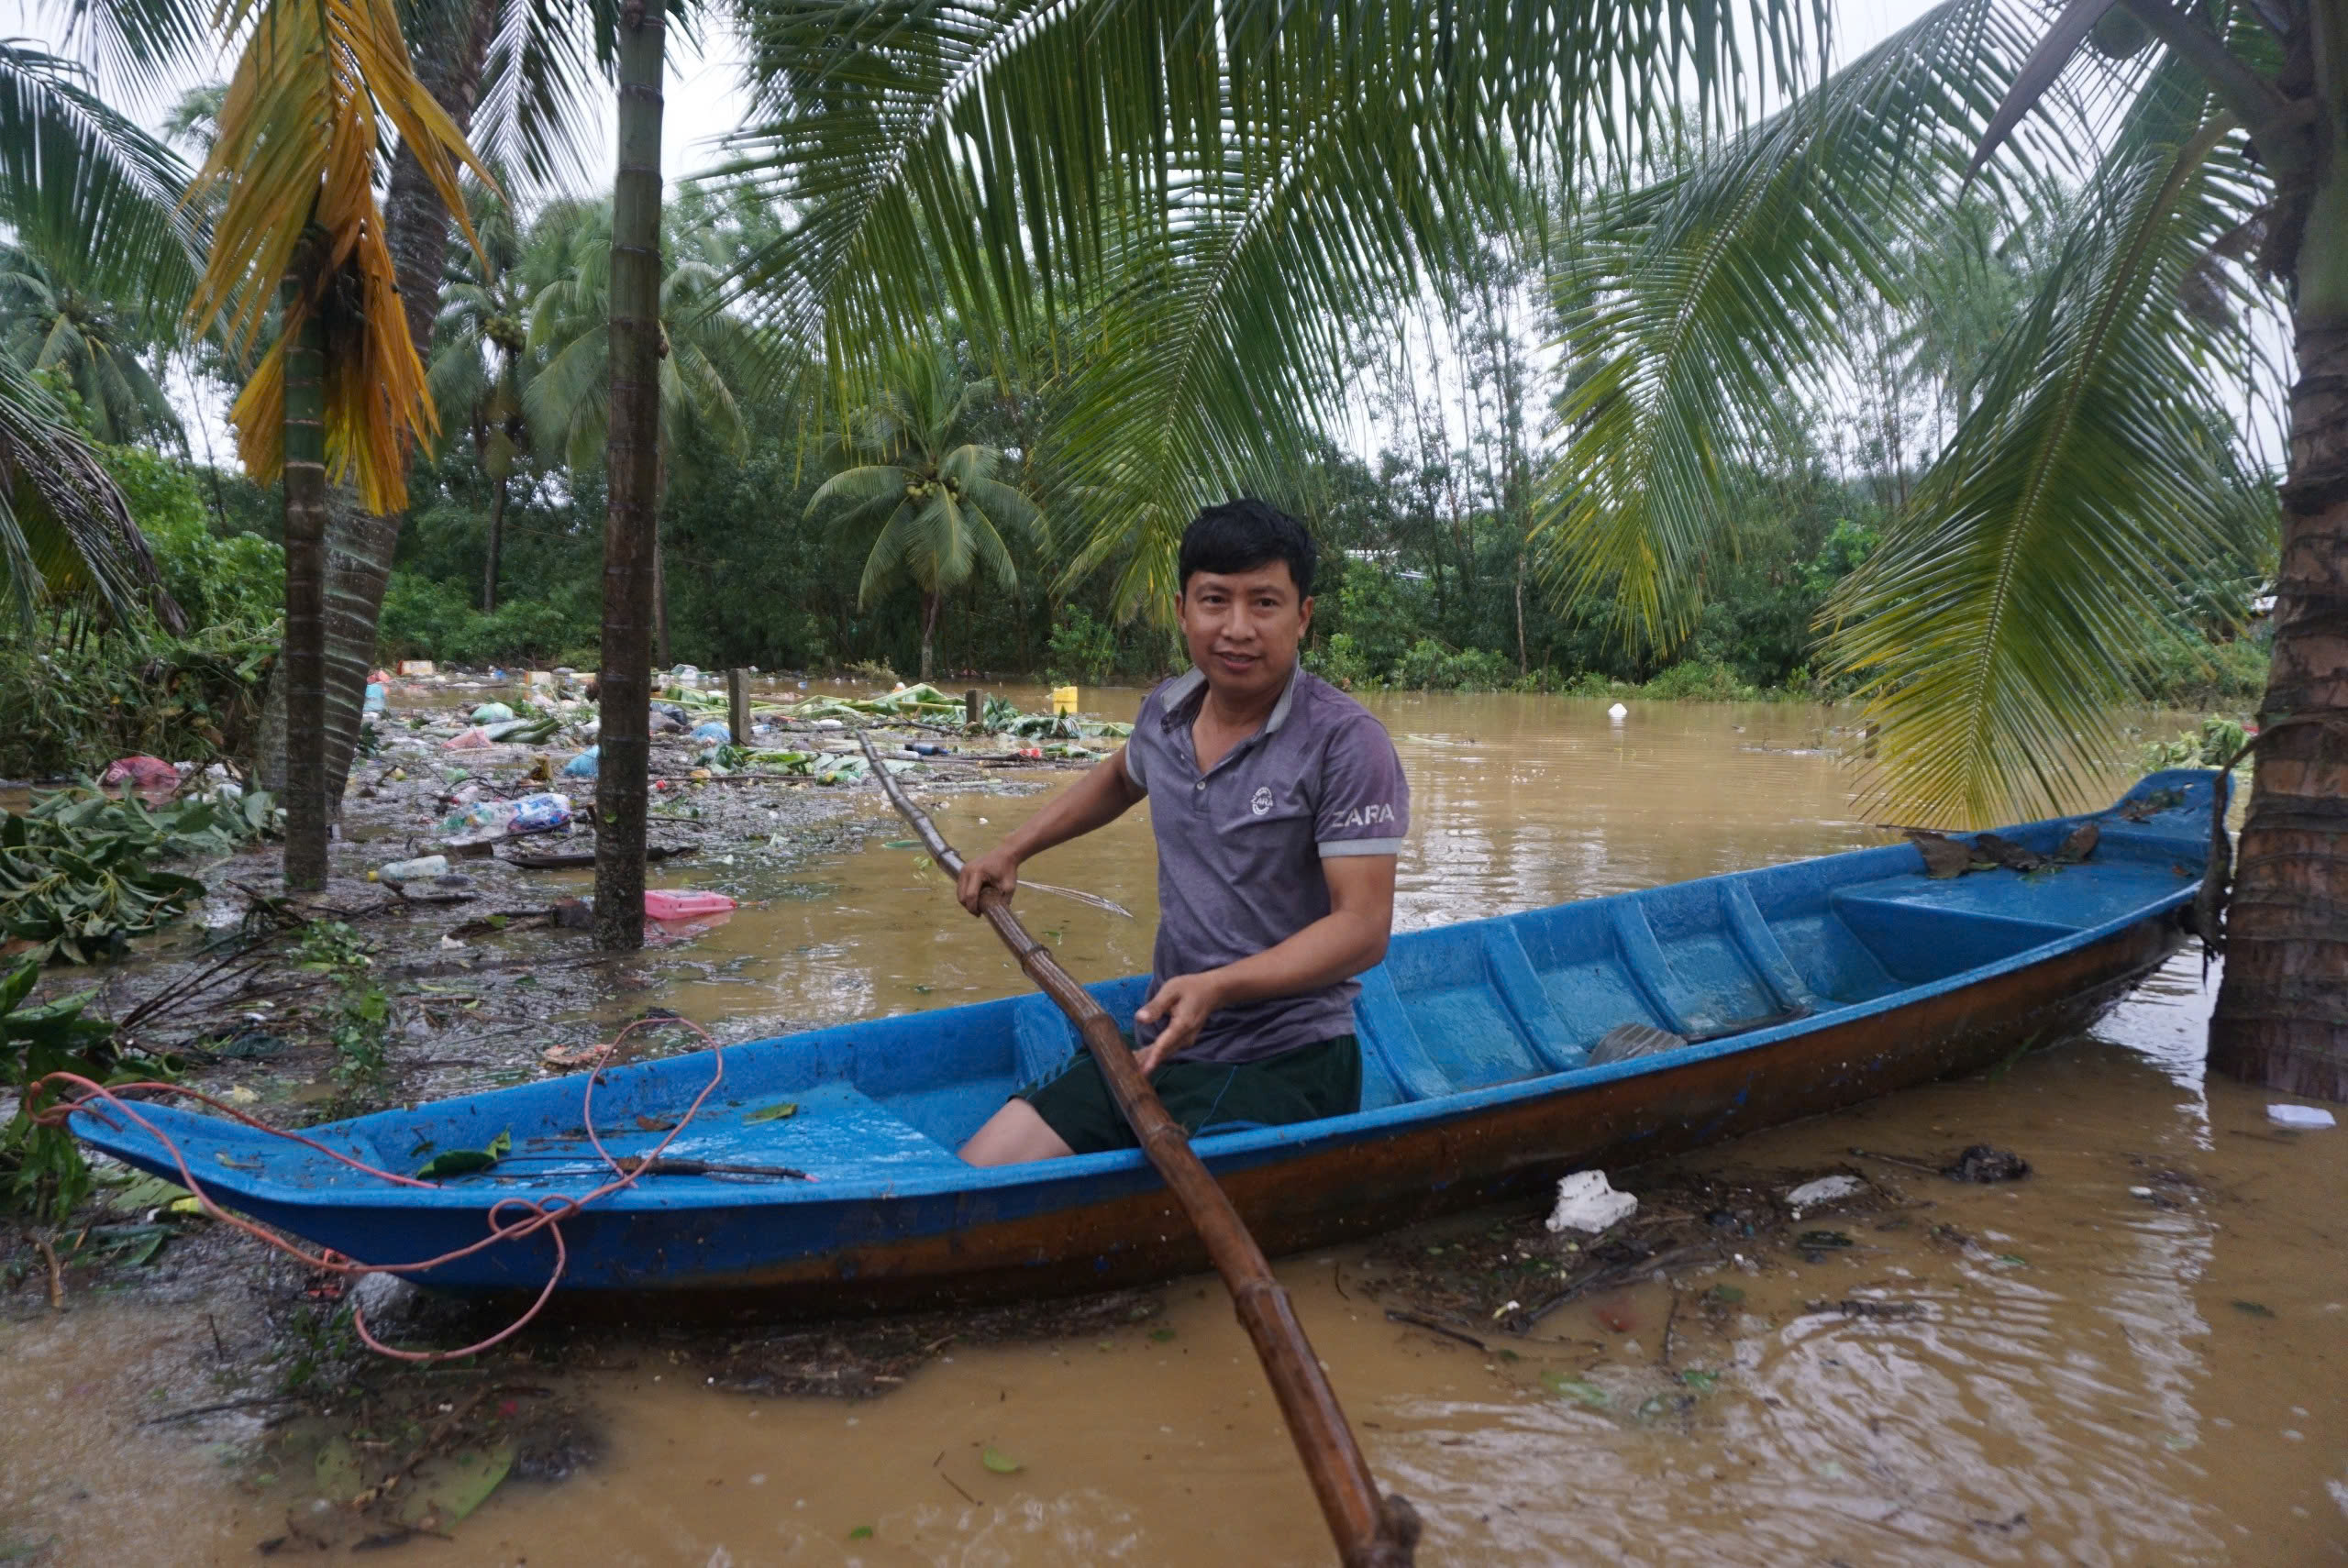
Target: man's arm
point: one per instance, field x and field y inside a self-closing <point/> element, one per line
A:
<point x="1095" y="800"/>
<point x="1350" y="938"/>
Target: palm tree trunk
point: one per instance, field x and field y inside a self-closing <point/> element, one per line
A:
<point x="306" y="534"/>
<point x="360" y="545"/>
<point x="931" y="603"/>
<point x="496" y="541"/>
<point x="661" y="657"/>
<point x="2282" y="1013"/>
<point x="631" y="521"/>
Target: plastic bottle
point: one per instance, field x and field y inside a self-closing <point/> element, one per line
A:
<point x="424" y="867"/>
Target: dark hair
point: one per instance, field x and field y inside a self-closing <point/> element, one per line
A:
<point x="1242" y="534"/>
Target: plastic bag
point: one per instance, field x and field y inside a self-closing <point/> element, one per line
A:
<point x="541" y="813"/>
<point x="492" y="714"/>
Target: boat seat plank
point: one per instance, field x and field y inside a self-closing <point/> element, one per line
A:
<point x="1465" y="1028"/>
<point x="1711" y="982"/>
<point x="1642" y="958"/>
<point x="1384" y="1027"/>
<point x="1573" y="952"/>
<point x="1835" y="966"/>
<point x="1520" y="988"/>
<point x="1762" y="949"/>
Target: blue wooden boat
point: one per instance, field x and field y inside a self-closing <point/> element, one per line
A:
<point x="1801" y="988"/>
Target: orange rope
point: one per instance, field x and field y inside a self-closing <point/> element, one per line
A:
<point x="541" y="1214"/>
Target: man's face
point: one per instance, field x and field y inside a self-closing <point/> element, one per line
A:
<point x="1243" y="628"/>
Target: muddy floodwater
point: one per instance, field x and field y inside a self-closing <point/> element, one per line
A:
<point x="2133" y="1356"/>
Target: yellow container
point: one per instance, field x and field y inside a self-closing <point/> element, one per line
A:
<point x="1063" y="701"/>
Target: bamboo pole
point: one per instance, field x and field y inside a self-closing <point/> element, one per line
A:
<point x="1371" y="1530"/>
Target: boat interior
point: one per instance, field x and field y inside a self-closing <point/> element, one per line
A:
<point x="1452" y="1009"/>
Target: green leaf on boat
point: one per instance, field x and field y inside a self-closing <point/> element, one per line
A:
<point x="775" y="1112"/>
<point x="1001" y="1463"/>
<point x="466" y="1162"/>
<point x="233" y="1162"/>
<point x="862" y="1532"/>
<point x="1580" y="1391"/>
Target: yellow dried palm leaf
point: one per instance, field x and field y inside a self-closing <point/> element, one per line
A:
<point x="319" y="85"/>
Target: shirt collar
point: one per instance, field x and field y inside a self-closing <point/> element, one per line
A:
<point x="1193" y="681"/>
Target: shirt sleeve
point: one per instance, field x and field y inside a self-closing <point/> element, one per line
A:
<point x="1133" y="758"/>
<point x="1365" y="801"/>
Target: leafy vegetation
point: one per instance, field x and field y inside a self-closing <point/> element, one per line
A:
<point x="42" y="1168"/>
<point x="78" y="877"/>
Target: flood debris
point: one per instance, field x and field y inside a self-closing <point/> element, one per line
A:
<point x="1586" y="1203"/>
<point x="1981" y="1162"/>
<point x="1507" y="1276"/>
<point x="1823" y="1190"/>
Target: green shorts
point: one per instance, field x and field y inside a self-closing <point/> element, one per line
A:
<point x="1302" y="1085"/>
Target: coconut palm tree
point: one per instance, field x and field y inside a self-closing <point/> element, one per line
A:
<point x="705" y="353"/>
<point x="480" y="360"/>
<point x="339" y="394"/>
<point x="927" y="488"/>
<point x="2097" y="469"/>
<point x="49" y="322"/>
<point x="95" y="198"/>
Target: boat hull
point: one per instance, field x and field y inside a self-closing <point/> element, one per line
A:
<point x="1802" y="987"/>
<point x="1482" y="1156"/>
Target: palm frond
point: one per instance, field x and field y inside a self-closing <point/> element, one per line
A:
<point x="63" y="527"/>
<point x="1994" y="628"/>
<point x="1208" y="191"/>
<point x="83" y="184"/>
<point x="1693" y="306"/>
<point x="321" y="85"/>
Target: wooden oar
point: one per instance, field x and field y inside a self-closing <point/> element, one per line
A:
<point x="1371" y="1530"/>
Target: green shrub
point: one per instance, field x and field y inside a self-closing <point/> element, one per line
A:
<point x="2186" y="672"/>
<point x="42" y="1166"/>
<point x="426" y="619"/>
<point x="218" y="579"/>
<point x="1082" y="649"/>
<point x="66" y="711"/>
<point x="1697" y="682"/>
<point x="1338" y="660"/>
<point x="1431" y="666"/>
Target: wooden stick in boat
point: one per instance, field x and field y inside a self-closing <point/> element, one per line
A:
<point x="1371" y="1530"/>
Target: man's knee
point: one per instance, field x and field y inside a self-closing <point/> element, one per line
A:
<point x="1014" y="1135"/>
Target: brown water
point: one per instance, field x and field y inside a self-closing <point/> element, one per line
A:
<point x="1517" y="802"/>
<point x="2100" y="1380"/>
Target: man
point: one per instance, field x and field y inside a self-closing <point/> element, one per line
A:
<point x="1280" y="806"/>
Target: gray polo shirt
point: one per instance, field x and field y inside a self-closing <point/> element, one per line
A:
<point x="1239" y="849"/>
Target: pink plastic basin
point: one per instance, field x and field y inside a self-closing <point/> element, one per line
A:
<point x="666" y="904"/>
